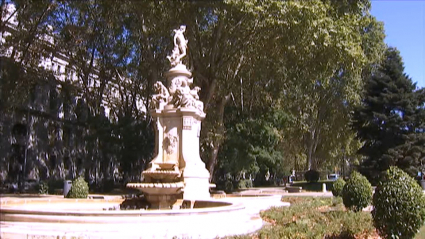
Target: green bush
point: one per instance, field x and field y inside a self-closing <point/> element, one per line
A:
<point x="357" y="192"/>
<point x="43" y="187"/>
<point x="399" y="205"/>
<point x="248" y="183"/>
<point x="228" y="186"/>
<point x="79" y="189"/>
<point x="312" y="176"/>
<point x="338" y="186"/>
<point x="244" y="183"/>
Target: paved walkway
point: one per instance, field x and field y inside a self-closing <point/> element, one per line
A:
<point x="283" y="192"/>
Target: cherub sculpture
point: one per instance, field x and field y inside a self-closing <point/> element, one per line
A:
<point x="194" y="92"/>
<point x="161" y="95"/>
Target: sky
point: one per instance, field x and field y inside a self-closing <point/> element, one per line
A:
<point x="404" y="23"/>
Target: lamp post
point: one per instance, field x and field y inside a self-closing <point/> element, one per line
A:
<point x="343" y="163"/>
<point x="24" y="167"/>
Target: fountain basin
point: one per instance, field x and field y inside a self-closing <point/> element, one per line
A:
<point x="86" y="218"/>
<point x="166" y="165"/>
<point x="162" y="174"/>
<point x="156" y="186"/>
<point x="160" y="195"/>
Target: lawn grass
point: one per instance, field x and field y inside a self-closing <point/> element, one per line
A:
<point x="421" y="233"/>
<point x="314" y="217"/>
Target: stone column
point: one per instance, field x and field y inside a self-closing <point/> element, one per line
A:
<point x="195" y="175"/>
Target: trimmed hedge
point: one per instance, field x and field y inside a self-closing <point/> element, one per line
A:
<point x="338" y="186"/>
<point x="357" y="192"/>
<point x="312" y="176"/>
<point x="399" y="205"/>
<point x="79" y="189"/>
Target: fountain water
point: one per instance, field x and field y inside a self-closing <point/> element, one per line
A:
<point x="177" y="172"/>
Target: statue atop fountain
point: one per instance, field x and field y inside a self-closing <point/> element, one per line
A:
<point x="177" y="172"/>
<point x="180" y="47"/>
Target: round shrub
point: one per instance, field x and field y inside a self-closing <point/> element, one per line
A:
<point x="79" y="189"/>
<point x="337" y="187"/>
<point x="357" y="192"/>
<point x="228" y="186"/>
<point x="312" y="176"/>
<point x="399" y="205"/>
<point x="43" y="187"/>
<point x="244" y="183"/>
<point x="248" y="183"/>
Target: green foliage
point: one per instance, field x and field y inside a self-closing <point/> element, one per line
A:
<point x="389" y="119"/>
<point x="302" y="58"/>
<point x="79" y="189"/>
<point x="244" y="184"/>
<point x="357" y="192"/>
<point x="399" y="205"/>
<point x="338" y="187"/>
<point x="43" y="187"/>
<point x="312" y="176"/>
<point x="252" y="145"/>
<point x="307" y="33"/>
<point x="313" y="218"/>
<point x="228" y="186"/>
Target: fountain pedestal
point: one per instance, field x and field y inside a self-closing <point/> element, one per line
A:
<point x="185" y="125"/>
<point x="177" y="171"/>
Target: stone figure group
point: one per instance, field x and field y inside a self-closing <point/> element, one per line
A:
<point x="183" y="96"/>
<point x="179" y="94"/>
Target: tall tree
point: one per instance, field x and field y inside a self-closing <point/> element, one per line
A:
<point x="253" y="144"/>
<point x="389" y="117"/>
<point x="302" y="57"/>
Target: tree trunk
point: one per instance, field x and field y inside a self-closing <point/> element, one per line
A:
<point x="309" y="156"/>
<point x="212" y="161"/>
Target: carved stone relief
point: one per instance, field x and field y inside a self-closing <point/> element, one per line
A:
<point x="160" y="97"/>
<point x="170" y="143"/>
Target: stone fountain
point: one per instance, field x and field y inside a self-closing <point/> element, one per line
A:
<point x="176" y="177"/>
<point x="177" y="172"/>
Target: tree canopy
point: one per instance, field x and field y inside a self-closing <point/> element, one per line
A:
<point x="390" y="119"/>
<point x="278" y="78"/>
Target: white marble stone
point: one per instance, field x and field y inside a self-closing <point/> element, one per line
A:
<point x="178" y="114"/>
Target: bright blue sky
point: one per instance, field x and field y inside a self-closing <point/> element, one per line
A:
<point x="404" y="23"/>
